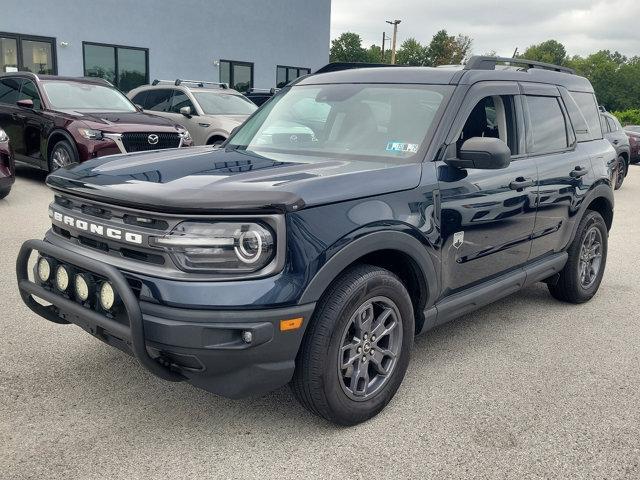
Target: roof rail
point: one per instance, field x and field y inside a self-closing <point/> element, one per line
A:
<point x="199" y="83"/>
<point x="489" y="63"/>
<point x="338" y="66"/>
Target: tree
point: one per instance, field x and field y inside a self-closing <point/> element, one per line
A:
<point x="374" y="55"/>
<point x="348" y="48"/>
<point x="448" y="50"/>
<point x="411" y="52"/>
<point x="550" y="51"/>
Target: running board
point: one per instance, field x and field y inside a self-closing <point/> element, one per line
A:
<point x="488" y="292"/>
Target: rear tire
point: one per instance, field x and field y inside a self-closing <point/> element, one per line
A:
<point x="4" y="192"/>
<point x="581" y="277"/>
<point x="620" y="173"/>
<point x="339" y="366"/>
<point x="62" y="155"/>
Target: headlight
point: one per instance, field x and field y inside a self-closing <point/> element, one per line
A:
<point x="219" y="247"/>
<point x="3" y="136"/>
<point x="90" y="134"/>
<point x="186" y="136"/>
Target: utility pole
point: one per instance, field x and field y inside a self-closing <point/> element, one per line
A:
<point x="384" y="39"/>
<point x="395" y="24"/>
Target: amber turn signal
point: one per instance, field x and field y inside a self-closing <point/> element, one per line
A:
<point x="291" y="324"/>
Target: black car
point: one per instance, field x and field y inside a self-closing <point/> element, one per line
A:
<point x="260" y="96"/>
<point x="356" y="209"/>
<point x="614" y="132"/>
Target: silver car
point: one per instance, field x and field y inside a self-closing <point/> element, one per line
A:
<point x="210" y="111"/>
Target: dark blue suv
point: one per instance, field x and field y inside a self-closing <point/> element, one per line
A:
<point x="354" y="210"/>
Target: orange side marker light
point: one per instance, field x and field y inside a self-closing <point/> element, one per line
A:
<point x="291" y="324"/>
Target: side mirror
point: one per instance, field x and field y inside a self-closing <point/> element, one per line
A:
<point x="186" y="111"/>
<point x="25" y="103"/>
<point x="486" y="153"/>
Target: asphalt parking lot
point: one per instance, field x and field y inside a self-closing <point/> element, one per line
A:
<point x="525" y="388"/>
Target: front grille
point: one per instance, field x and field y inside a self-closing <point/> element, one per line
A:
<point x="139" y="142"/>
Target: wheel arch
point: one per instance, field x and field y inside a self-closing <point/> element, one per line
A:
<point x="398" y="252"/>
<point x="55" y="136"/>
<point x="215" y="137"/>
<point x="601" y="200"/>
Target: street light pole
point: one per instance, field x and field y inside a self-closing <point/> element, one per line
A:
<point x="384" y="40"/>
<point x="395" y="24"/>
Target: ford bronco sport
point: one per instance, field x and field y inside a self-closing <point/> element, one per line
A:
<point x="354" y="210"/>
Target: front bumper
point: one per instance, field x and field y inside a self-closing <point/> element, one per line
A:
<point x="203" y="347"/>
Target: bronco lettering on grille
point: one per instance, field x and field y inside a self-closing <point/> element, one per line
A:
<point x="96" y="229"/>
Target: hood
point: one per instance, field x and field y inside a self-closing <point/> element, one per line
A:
<point x="124" y="121"/>
<point x="210" y="180"/>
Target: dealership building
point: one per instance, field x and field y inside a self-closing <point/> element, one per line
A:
<point x="244" y="43"/>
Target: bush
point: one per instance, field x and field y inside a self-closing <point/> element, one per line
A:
<point x="629" y="117"/>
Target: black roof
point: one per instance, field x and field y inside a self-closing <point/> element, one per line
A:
<point x="33" y="76"/>
<point x="477" y="69"/>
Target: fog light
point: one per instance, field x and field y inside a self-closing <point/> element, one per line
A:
<point x="62" y="278"/>
<point x="83" y="286"/>
<point x="247" y="336"/>
<point x="44" y="269"/>
<point x="107" y="296"/>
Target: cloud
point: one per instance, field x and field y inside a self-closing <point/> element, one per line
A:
<point x="583" y="26"/>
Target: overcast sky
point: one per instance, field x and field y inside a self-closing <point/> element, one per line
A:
<point x="583" y="26"/>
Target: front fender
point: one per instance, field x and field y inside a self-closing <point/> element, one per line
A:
<point x="368" y="243"/>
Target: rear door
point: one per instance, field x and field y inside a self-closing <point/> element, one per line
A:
<point x="564" y="167"/>
<point x="487" y="216"/>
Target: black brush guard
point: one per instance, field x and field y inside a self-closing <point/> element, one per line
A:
<point x="133" y="333"/>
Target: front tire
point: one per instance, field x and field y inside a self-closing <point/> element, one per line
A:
<point x="581" y="277"/>
<point x="356" y="351"/>
<point x="62" y="155"/>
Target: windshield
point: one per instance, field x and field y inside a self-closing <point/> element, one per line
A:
<point x="213" y="103"/>
<point x="345" y="120"/>
<point x="86" y="96"/>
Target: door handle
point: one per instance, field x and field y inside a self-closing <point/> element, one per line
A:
<point x="579" y="172"/>
<point x="520" y="183"/>
<point x="616" y="142"/>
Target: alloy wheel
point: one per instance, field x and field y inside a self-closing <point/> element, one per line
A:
<point x="60" y="158"/>
<point x="590" y="257"/>
<point x="370" y="348"/>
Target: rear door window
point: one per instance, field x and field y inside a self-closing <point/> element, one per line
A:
<point x="158" y="100"/>
<point x="548" y="126"/>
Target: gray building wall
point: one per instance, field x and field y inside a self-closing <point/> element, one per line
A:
<point x="184" y="37"/>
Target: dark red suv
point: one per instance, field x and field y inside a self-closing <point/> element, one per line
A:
<point x="55" y="121"/>
<point x="7" y="167"/>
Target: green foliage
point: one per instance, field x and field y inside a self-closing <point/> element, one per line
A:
<point x="374" y="55"/>
<point x="411" y="52"/>
<point x="550" y="51"/>
<point x="348" y="48"/>
<point x="448" y="50"/>
<point x="629" y="117"/>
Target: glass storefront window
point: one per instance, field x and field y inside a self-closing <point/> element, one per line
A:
<point x="238" y="75"/>
<point x="27" y="54"/>
<point x="125" y="67"/>
<point x="286" y="75"/>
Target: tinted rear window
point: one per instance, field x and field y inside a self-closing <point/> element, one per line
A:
<point x="589" y="108"/>
<point x="9" y="90"/>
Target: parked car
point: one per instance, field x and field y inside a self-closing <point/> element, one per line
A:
<point x="398" y="200"/>
<point x="7" y="165"/>
<point x="614" y="132"/>
<point x="55" y="121"/>
<point x="259" y="96"/>
<point x="633" y="132"/>
<point x="210" y="111"/>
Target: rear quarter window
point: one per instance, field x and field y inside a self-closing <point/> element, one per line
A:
<point x="589" y="108"/>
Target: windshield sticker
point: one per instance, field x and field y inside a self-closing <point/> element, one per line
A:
<point x="400" y="147"/>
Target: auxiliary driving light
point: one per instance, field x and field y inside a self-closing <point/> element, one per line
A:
<point x="107" y="296"/>
<point x="44" y="269"/>
<point x="62" y="278"/>
<point x="83" y="284"/>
